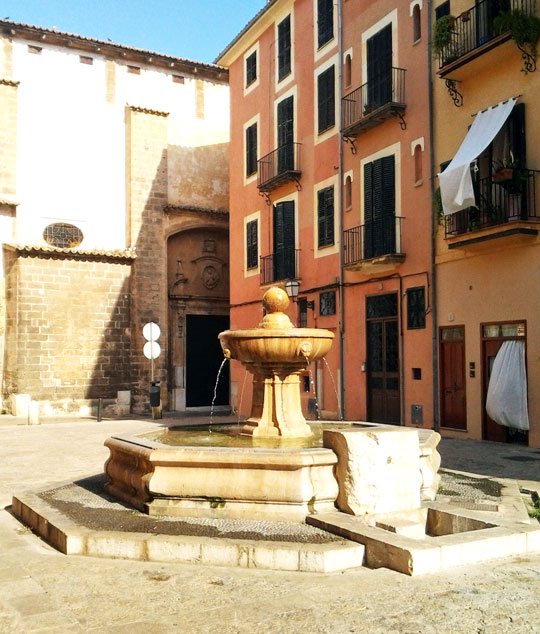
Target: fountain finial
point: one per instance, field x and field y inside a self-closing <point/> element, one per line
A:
<point x="275" y="301"/>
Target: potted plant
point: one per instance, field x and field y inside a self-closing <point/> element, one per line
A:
<point x="442" y="34"/>
<point x="524" y="29"/>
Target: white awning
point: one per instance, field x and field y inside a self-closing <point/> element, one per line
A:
<point x="456" y="182"/>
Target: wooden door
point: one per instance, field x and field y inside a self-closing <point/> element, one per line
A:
<point x="379" y="207"/>
<point x="285" y="135"/>
<point x="492" y="430"/>
<point x="383" y="385"/>
<point x="452" y="366"/>
<point x="284" y="241"/>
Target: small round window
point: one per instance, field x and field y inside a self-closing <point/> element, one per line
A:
<point x="63" y="235"/>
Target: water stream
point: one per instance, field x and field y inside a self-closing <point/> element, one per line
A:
<point x="215" y="393"/>
<point x="340" y="415"/>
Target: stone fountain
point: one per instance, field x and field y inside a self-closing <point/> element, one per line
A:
<point x="283" y="473"/>
<point x="372" y="484"/>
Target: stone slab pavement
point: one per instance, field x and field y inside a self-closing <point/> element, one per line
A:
<point x="42" y="590"/>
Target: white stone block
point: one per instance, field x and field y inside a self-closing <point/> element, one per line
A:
<point x="123" y="397"/>
<point x="378" y="469"/>
<point x="20" y="403"/>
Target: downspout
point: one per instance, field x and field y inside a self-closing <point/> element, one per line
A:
<point x="434" y="227"/>
<point x="341" y="290"/>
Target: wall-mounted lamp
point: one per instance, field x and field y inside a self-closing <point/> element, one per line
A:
<point x="291" y="288"/>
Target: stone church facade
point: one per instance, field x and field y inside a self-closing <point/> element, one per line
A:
<point x="113" y="213"/>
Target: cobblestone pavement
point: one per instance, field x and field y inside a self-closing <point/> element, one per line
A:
<point x="44" y="591"/>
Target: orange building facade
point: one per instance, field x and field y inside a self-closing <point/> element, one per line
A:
<point x="487" y="246"/>
<point x="330" y="188"/>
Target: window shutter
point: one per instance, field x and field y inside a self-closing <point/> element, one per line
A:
<point x="517" y="134"/>
<point x="325" y="216"/>
<point x="284" y="47"/>
<point x="325" y="21"/>
<point x="252" y="247"/>
<point x="326" y="99"/>
<point x="251" y="149"/>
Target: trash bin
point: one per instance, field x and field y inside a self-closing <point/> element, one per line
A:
<point x="155" y="394"/>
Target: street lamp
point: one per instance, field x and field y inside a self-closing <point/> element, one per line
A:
<point x="291" y="288"/>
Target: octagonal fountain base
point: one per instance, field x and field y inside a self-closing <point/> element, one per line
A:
<point x="194" y="481"/>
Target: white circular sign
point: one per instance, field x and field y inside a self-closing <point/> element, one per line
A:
<point x="151" y="350"/>
<point x="151" y="331"/>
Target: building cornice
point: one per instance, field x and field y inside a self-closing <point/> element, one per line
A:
<point x="119" y="52"/>
<point x="157" y="113"/>
<point x="125" y="255"/>
<point x="207" y="211"/>
<point x="251" y="32"/>
<point x="9" y="82"/>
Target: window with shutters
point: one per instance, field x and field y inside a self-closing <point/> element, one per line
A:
<point x="325" y="22"/>
<point x="326" y="99"/>
<point x="442" y="10"/>
<point x="284" y="256"/>
<point x="417" y="23"/>
<point x="379" y="207"/>
<point x="416" y="308"/>
<point x="379" y="68"/>
<point x="251" y="150"/>
<point x="252" y="244"/>
<point x="284" y="48"/>
<point x="251" y="68"/>
<point x="325" y="217"/>
<point x="285" y="134"/>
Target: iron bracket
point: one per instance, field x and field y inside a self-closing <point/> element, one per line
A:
<point x="457" y="97"/>
<point x="351" y="142"/>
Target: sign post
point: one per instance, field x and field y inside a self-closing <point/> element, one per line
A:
<point x="152" y="350"/>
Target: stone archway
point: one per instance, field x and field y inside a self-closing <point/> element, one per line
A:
<point x="198" y="305"/>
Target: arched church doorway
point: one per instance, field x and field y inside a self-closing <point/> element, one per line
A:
<point x="198" y="282"/>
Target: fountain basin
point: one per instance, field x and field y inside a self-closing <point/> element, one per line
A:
<point x="195" y="481"/>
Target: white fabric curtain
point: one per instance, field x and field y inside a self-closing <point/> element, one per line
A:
<point x="456" y="182"/>
<point x="506" y="401"/>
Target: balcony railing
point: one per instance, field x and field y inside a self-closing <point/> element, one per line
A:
<point x="375" y="239"/>
<point x="280" y="166"/>
<point x="374" y="101"/>
<point x="475" y="29"/>
<point x="281" y="265"/>
<point x="499" y="203"/>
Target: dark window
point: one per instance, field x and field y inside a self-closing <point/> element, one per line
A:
<point x="251" y="68"/>
<point x="252" y="244"/>
<point x="379" y="68"/>
<point x="379" y="208"/>
<point x="325" y="21"/>
<point x="416" y="308"/>
<point x="325" y="216"/>
<point x="442" y="10"/>
<point x="417" y="25"/>
<point x="284" y="241"/>
<point x="285" y="134"/>
<point x="302" y="312"/>
<point x="379" y="306"/>
<point x="284" y="48"/>
<point x="327" y="303"/>
<point x="251" y="149"/>
<point x="326" y="99"/>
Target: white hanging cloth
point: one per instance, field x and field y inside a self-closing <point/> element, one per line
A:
<point x="506" y="401"/>
<point x="456" y="182"/>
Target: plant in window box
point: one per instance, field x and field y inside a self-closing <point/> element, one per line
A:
<point x="524" y="29"/>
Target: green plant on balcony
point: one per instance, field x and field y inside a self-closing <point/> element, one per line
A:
<point x="442" y="35"/>
<point x="524" y="29"/>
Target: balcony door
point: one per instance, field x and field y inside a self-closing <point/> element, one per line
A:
<point x="284" y="241"/>
<point x="379" y="68"/>
<point x="285" y="135"/>
<point x="383" y="400"/>
<point x="379" y="208"/>
<point x="487" y="11"/>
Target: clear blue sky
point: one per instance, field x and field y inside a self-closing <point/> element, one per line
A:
<point x="195" y="29"/>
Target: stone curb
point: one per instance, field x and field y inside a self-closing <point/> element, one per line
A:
<point x="71" y="539"/>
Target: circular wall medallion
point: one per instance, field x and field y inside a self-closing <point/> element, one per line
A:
<point x="62" y="235"/>
<point x="210" y="276"/>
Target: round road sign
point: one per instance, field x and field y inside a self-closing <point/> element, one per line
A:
<point x="151" y="350"/>
<point x="151" y="332"/>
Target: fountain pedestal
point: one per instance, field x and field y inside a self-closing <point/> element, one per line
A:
<point x="276" y="353"/>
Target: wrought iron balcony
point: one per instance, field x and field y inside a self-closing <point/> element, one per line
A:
<point x="278" y="167"/>
<point x="473" y="32"/>
<point x="378" y="239"/>
<point x="281" y="265"/>
<point x="500" y="201"/>
<point x="374" y="102"/>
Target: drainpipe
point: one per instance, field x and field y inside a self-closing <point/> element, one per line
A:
<point x="341" y="293"/>
<point x="433" y="225"/>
